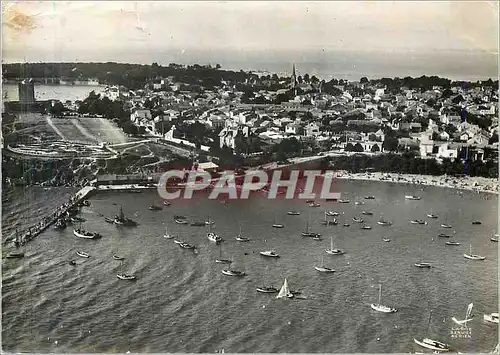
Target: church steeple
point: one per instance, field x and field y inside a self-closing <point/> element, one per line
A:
<point x="294" y="80"/>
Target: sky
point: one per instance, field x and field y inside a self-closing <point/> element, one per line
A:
<point x="192" y="31"/>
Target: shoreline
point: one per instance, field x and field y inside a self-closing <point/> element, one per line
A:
<point x="467" y="183"/>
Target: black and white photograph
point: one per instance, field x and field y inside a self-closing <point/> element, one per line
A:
<point x="250" y="177"/>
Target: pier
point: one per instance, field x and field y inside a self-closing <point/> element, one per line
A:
<point x="47" y="221"/>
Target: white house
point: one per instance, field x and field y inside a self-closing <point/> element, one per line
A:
<point x="479" y="139"/>
<point x="140" y="115"/>
<point x="444" y="136"/>
<point x="447" y="151"/>
<point x="292" y="128"/>
<point x="312" y="130"/>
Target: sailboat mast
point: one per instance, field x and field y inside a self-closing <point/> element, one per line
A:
<point x="379" y="293"/>
<point x="429" y="323"/>
<point x="331" y="243"/>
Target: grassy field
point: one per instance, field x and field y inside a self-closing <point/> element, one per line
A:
<point x="90" y="130"/>
<point x="104" y="130"/>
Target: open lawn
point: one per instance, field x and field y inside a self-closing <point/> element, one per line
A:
<point x="88" y="129"/>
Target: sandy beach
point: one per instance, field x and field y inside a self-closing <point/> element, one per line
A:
<point x="477" y="184"/>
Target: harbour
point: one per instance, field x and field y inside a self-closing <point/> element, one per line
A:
<point x="196" y="301"/>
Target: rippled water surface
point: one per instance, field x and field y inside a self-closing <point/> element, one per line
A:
<point x="181" y="302"/>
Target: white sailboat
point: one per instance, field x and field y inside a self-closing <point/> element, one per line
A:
<point x="473" y="256"/>
<point x="167" y="235"/>
<point x="124" y="276"/>
<point x="239" y="238"/>
<point x="467" y="315"/>
<point x="492" y="318"/>
<point x="332" y="250"/>
<point x="431" y="344"/>
<point x="422" y="264"/>
<point x="209" y="222"/>
<point x="431" y="215"/>
<point x="285" y="291"/>
<point x="212" y="236"/>
<point x="221" y="260"/>
<point x="383" y="222"/>
<point x="231" y="272"/>
<point x="323" y="268"/>
<point x="379" y="307"/>
<point x="276" y="224"/>
<point x="266" y="289"/>
<point x="307" y="233"/>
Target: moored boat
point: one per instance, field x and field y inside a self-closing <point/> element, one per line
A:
<point x="492" y="317"/>
<point x="167" y="235"/>
<point x="230" y="272"/>
<point x="357" y="220"/>
<point x="15" y="255"/>
<point x="386" y="240"/>
<point x="179" y="220"/>
<point x="314" y="204"/>
<point x="344" y="201"/>
<point x="220" y="259"/>
<point x="432" y="344"/>
<point x="117" y="257"/>
<point x="293" y="213"/>
<point x="82" y="254"/>
<point x="267" y="289"/>
<point x="417" y="221"/>
<point x="477" y="222"/>
<point x="121" y="220"/>
<point x="445" y="225"/>
<point x="379" y="307"/>
<point x="81" y="233"/>
<point x="126" y="277"/>
<point x="412" y="197"/>
<point x="369" y="197"/>
<point x="423" y="265"/>
<point x="473" y="256"/>
<point x="332" y="213"/>
<point x="366" y="227"/>
<point x="154" y="208"/>
<point x="442" y="235"/>
<point x="451" y="243"/>
<point x="334" y="251"/>
<point x="367" y="213"/>
<point x="269" y="253"/>
<point x="184" y="245"/>
<point x="212" y="236"/>
<point x="323" y="268"/>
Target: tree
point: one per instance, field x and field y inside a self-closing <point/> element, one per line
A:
<point x="375" y="148"/>
<point x="390" y="144"/>
<point x="349" y="147"/>
<point x="306" y="78"/>
<point x="494" y="138"/>
<point x="363" y="80"/>
<point x="358" y="148"/>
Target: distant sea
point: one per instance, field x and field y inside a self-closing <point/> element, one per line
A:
<point x="52" y="92"/>
<point x="324" y="63"/>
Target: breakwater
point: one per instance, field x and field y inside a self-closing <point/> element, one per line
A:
<point x="47" y="221"/>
